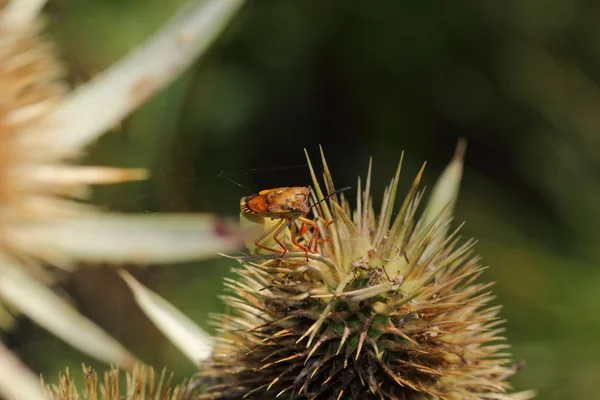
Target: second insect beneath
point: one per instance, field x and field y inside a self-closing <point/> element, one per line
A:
<point x="286" y="204"/>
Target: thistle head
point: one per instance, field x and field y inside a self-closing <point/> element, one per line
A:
<point x="385" y="306"/>
<point x="141" y="383"/>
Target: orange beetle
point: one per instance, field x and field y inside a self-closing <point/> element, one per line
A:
<point x="287" y="204"/>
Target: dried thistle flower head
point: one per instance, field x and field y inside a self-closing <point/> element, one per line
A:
<point x="43" y="126"/>
<point x="389" y="308"/>
<point x="142" y="383"/>
<point x="36" y="184"/>
<point x="45" y="223"/>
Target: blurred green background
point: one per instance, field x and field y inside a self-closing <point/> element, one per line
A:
<point x="518" y="78"/>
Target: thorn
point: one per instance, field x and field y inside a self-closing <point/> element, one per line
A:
<point x="272" y="383"/>
<point x="315" y="371"/>
<point x="315" y="327"/>
<point x="345" y="336"/>
<point x="315" y="347"/>
<point x="363" y="335"/>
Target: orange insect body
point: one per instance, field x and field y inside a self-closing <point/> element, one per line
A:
<point x="285" y="203"/>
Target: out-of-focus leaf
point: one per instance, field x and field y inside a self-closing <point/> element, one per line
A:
<point x="48" y="310"/>
<point x="182" y="331"/>
<point x="100" y="104"/>
<point x="122" y="238"/>
<point x="16" y="381"/>
<point x="18" y="13"/>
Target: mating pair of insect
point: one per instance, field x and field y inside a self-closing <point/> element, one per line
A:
<point x="287" y="204"/>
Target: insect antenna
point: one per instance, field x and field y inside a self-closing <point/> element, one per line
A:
<point x="251" y="171"/>
<point x="222" y="175"/>
<point x="331" y="194"/>
<point x="226" y="175"/>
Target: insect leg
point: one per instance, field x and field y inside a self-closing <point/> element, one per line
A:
<point x="295" y="242"/>
<point x="313" y="240"/>
<point x="284" y="224"/>
<point x="326" y="224"/>
<point x="275" y="230"/>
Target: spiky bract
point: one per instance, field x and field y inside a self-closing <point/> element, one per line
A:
<point x="382" y="312"/>
<point x="141" y="384"/>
